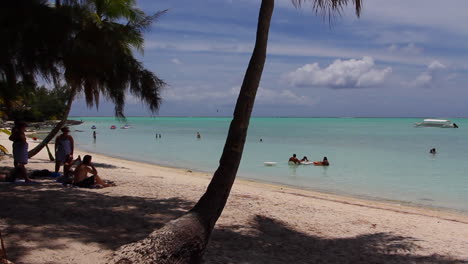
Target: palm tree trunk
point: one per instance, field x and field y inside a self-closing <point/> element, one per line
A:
<point x="211" y="204"/>
<point x="56" y="129"/>
<point x="184" y="240"/>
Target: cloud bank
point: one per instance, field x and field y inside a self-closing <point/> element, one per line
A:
<point x="353" y="73"/>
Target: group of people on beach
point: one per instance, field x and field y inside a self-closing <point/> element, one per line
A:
<point x="64" y="148"/>
<point x="295" y="160"/>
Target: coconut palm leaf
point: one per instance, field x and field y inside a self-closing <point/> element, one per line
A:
<point x="6" y="131"/>
<point x="3" y="149"/>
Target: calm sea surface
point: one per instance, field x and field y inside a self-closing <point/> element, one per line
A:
<point x="382" y="158"/>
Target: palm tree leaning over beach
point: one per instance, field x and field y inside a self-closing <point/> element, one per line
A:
<point x="184" y="239"/>
<point x="98" y="58"/>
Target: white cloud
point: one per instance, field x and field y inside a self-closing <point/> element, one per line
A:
<point x="353" y="73"/>
<point x="436" y="65"/>
<point x="410" y="48"/>
<point x="266" y="96"/>
<point x="176" y="61"/>
<point x="429" y="77"/>
<point x="214" y="94"/>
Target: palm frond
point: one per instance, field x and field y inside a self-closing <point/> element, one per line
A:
<point x="3" y="149"/>
<point x="329" y="8"/>
<point x="6" y="131"/>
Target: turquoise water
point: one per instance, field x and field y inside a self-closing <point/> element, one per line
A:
<point x="382" y="158"/>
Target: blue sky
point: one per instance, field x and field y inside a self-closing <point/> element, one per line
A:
<point x="401" y="58"/>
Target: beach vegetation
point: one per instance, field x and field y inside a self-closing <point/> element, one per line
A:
<point x="184" y="240"/>
<point x="33" y="104"/>
<point x="88" y="46"/>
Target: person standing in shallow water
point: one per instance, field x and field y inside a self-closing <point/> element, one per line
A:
<point x="94" y="135"/>
<point x="20" y="150"/>
<point x="198" y="135"/>
<point x="64" y="146"/>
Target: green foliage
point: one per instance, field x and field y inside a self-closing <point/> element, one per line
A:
<point x="34" y="104"/>
<point x="6" y="131"/>
<point x="88" y="44"/>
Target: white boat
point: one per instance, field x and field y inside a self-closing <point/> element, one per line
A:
<point x="436" y="123"/>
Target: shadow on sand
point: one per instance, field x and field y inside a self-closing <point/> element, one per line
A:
<point x="111" y="221"/>
<point x="271" y="241"/>
<point x="89" y="217"/>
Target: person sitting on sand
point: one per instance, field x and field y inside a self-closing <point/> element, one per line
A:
<point x="81" y="178"/>
<point x="304" y="159"/>
<point x="68" y="171"/>
<point x="324" y="162"/>
<point x="294" y="159"/>
<point x="5" y="177"/>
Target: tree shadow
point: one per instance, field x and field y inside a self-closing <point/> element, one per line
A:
<point x="268" y="240"/>
<point x="106" y="166"/>
<point x="46" y="212"/>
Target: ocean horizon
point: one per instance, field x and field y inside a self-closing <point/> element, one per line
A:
<point x="371" y="157"/>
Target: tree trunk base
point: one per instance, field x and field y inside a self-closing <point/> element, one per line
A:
<point x="182" y="240"/>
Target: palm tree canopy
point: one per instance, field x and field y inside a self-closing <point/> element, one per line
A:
<point x="100" y="58"/>
<point x="88" y="43"/>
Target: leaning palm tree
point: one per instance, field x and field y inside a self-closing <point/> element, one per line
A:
<point x="184" y="239"/>
<point x="98" y="59"/>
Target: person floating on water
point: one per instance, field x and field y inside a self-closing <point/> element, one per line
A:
<point x="198" y="135"/>
<point x="433" y="151"/>
<point x="304" y="159"/>
<point x="294" y="159"/>
<point x="455" y="125"/>
<point x="261" y="140"/>
<point x="324" y="162"/>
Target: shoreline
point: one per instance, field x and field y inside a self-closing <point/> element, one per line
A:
<point x="377" y="203"/>
<point x="361" y="200"/>
<point x="261" y="223"/>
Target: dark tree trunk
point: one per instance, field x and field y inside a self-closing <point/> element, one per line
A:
<point x="56" y="129"/>
<point x="184" y="240"/>
<point x="11" y="86"/>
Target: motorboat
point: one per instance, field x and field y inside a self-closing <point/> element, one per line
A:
<point x="436" y="123"/>
<point x="113" y="127"/>
<point x="126" y="127"/>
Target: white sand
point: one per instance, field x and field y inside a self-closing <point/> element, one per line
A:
<point x="262" y="223"/>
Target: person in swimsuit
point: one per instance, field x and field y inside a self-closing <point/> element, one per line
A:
<point x="305" y="159"/>
<point x="81" y="178"/>
<point x="20" y="151"/>
<point x="324" y="162"/>
<point x="64" y="146"/>
<point x="294" y="159"/>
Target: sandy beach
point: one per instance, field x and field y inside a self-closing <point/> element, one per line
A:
<point x="46" y="222"/>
